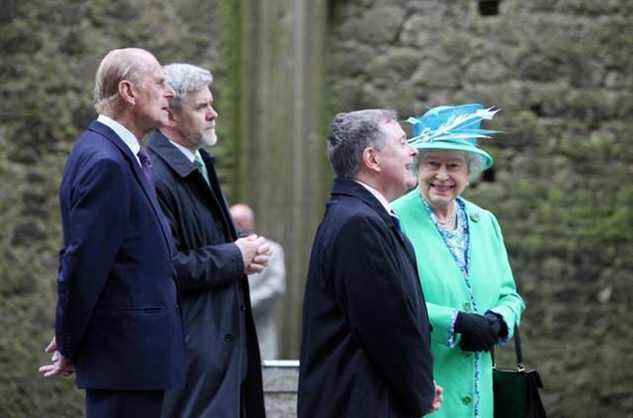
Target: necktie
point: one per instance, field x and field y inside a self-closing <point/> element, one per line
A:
<point x="197" y="161"/>
<point x="146" y="165"/>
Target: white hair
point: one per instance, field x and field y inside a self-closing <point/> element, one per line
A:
<point x="185" y="79"/>
<point x="116" y="66"/>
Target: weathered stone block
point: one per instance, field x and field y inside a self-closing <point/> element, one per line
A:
<point x="281" y="379"/>
<point x="394" y="65"/>
<point x="376" y="26"/>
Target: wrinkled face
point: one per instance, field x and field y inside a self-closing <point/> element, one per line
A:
<point x="154" y="94"/>
<point x="195" y="120"/>
<point x="396" y="160"/>
<point x="443" y="175"/>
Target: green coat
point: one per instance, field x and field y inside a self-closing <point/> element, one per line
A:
<point x="446" y="293"/>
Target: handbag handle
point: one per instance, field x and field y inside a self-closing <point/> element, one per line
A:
<point x="518" y="350"/>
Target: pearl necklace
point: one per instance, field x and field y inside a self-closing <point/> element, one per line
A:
<point x="449" y="221"/>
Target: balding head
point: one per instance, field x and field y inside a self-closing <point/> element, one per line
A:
<point x="243" y="217"/>
<point x="128" y="64"/>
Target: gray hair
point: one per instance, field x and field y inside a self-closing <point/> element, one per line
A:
<point x="474" y="163"/>
<point x="185" y="79"/>
<point x="350" y="134"/>
<point x="116" y="66"/>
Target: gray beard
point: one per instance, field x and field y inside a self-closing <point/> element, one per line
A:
<point x="209" y="139"/>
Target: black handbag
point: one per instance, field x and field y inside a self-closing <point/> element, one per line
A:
<point x="516" y="391"/>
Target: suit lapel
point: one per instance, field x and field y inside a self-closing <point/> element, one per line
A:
<point x="408" y="247"/>
<point x="162" y="148"/>
<point x="217" y="195"/>
<point x="352" y="188"/>
<point x="150" y="194"/>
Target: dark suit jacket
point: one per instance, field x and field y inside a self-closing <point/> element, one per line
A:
<point x="221" y="343"/>
<point x="117" y="318"/>
<point x="365" y="344"/>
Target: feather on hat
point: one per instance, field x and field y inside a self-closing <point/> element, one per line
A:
<point x="454" y="128"/>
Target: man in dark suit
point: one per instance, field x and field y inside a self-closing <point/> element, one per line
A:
<point x="117" y="322"/>
<point x="365" y="344"/>
<point x="223" y="371"/>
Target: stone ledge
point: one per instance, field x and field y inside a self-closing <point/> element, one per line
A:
<point x="281" y="379"/>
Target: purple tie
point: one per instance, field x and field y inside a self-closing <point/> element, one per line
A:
<point x="146" y="165"/>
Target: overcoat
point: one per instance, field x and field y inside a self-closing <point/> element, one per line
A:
<point x="222" y="354"/>
<point x="465" y="377"/>
<point x="365" y="344"/>
<point x="117" y="318"/>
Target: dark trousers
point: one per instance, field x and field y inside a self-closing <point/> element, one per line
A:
<point x="101" y="403"/>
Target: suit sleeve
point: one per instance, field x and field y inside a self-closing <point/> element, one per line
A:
<point x="510" y="305"/>
<point x="202" y="268"/>
<point x="369" y="285"/>
<point x="98" y="212"/>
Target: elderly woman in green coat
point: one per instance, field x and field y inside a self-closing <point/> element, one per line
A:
<point x="471" y="296"/>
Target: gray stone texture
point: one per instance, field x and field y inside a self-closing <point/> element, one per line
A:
<point x="281" y="380"/>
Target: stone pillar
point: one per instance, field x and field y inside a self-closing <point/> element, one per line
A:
<point x="282" y="165"/>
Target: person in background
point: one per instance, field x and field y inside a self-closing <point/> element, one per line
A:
<point x="117" y="321"/>
<point x="365" y="348"/>
<point x="223" y="366"/>
<point x="266" y="287"/>
<point x="462" y="261"/>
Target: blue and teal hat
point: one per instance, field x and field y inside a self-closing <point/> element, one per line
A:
<point x="453" y="128"/>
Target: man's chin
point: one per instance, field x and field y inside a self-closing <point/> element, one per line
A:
<point x="209" y="140"/>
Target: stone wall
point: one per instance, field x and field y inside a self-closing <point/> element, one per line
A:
<point x="561" y="71"/>
<point x="50" y="52"/>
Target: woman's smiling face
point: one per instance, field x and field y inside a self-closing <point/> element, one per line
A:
<point x="443" y="175"/>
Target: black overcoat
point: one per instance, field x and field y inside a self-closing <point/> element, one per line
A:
<point x="220" y="337"/>
<point x="365" y="345"/>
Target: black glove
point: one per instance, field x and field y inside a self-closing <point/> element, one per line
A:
<point x="477" y="334"/>
<point x="497" y="324"/>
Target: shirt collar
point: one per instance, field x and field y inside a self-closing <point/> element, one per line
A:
<point x="378" y="196"/>
<point x="122" y="132"/>
<point x="186" y="151"/>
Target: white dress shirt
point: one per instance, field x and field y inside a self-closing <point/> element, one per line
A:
<point x="378" y="196"/>
<point x="188" y="153"/>
<point x="123" y="133"/>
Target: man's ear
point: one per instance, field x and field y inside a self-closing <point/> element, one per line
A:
<point x="127" y="92"/>
<point x="370" y="159"/>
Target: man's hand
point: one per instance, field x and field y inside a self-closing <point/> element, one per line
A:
<point x="438" y="399"/>
<point x="60" y="365"/>
<point x="255" y="251"/>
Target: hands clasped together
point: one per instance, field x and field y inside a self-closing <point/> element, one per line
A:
<point x="255" y="251"/>
<point x="480" y="332"/>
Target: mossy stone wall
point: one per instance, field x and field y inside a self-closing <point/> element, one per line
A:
<point x="562" y="74"/>
<point x="50" y="52"/>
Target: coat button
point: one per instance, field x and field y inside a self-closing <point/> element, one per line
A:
<point x="242" y="308"/>
<point x="466" y="307"/>
<point x="466" y="400"/>
<point x="228" y="338"/>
